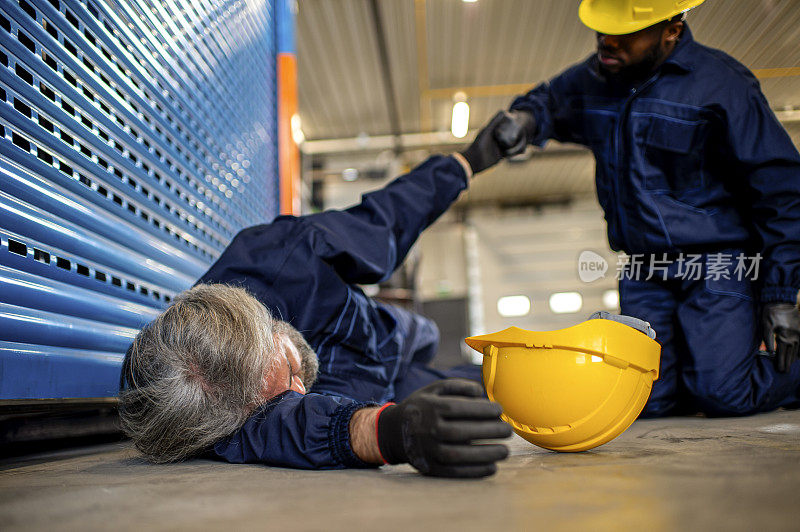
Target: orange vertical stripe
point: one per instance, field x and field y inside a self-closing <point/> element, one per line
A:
<point x="288" y="152"/>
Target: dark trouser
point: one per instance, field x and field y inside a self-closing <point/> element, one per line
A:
<point x="710" y="336"/>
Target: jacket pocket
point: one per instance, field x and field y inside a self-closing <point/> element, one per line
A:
<point x="673" y="155"/>
<point x="727" y="275"/>
<point x="682" y="224"/>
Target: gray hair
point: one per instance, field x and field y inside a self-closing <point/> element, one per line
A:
<point x="196" y="372"/>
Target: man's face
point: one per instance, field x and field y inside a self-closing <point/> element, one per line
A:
<point x="635" y="55"/>
<point x="297" y="365"/>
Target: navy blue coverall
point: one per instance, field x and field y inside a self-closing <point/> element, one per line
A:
<point x="691" y="161"/>
<point x="306" y="271"/>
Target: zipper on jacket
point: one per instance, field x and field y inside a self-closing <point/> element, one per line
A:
<point x="618" y="148"/>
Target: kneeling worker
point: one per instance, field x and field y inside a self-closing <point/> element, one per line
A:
<point x="277" y="356"/>
<point x="695" y="174"/>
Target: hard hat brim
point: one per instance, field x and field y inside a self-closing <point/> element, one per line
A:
<point x="608" y="24"/>
<point x="608" y="339"/>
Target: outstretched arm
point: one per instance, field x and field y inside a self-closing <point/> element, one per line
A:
<point x="309" y="431"/>
<point x="537" y="116"/>
<point x="363" y="244"/>
<point x="368" y="241"/>
<point x="434" y="430"/>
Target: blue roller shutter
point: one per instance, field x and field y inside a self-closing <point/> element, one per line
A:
<point x="136" y="138"/>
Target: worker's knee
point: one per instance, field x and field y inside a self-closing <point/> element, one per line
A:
<point x="664" y="395"/>
<point x="723" y="401"/>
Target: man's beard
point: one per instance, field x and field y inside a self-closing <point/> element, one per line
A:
<point x="638" y="72"/>
<point x="308" y="358"/>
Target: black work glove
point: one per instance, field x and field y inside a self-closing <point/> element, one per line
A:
<point x="781" y="323"/>
<point x="514" y="132"/>
<point x="484" y="151"/>
<point x="434" y="429"/>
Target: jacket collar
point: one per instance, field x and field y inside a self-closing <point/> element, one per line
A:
<point x="682" y="56"/>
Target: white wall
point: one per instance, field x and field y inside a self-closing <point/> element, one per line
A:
<point x="535" y="254"/>
<point x="522" y="252"/>
<point x="442" y="268"/>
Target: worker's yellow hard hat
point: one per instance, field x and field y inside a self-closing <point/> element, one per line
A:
<point x="618" y="17"/>
<point x="571" y="389"/>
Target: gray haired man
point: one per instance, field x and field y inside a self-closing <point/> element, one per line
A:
<point x="277" y="356"/>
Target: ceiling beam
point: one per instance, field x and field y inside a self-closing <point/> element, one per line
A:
<point x="440" y="139"/>
<point x="409" y="141"/>
<point x="386" y="76"/>
<point x="421" y="29"/>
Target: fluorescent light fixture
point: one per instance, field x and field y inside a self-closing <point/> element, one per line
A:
<point x="297" y="132"/>
<point x="566" y="302"/>
<point x="511" y="306"/>
<point x="611" y="299"/>
<point x="460" y="124"/>
<point x="350" y="174"/>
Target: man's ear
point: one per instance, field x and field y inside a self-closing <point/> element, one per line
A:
<point x="673" y="32"/>
<point x="268" y="384"/>
<point x="265" y="391"/>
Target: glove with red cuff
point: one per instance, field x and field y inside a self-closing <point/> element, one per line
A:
<point x="435" y="430"/>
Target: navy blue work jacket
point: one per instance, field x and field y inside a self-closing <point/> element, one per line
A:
<point x="306" y="271"/>
<point x="691" y="160"/>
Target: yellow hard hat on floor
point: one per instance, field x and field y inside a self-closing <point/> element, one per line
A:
<point x="618" y="17"/>
<point x="571" y="389"/>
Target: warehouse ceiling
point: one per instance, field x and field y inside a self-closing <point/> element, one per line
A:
<point x="373" y="73"/>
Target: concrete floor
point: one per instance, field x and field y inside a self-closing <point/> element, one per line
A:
<point x="667" y="474"/>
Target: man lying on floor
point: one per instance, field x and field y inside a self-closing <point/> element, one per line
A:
<point x="277" y="356"/>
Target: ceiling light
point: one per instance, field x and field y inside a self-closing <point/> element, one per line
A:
<point x="510" y="306"/>
<point x="350" y="174"/>
<point x="297" y="133"/>
<point x="611" y="299"/>
<point x="566" y="302"/>
<point x="460" y="123"/>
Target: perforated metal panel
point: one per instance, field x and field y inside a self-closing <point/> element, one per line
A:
<point x="136" y="138"/>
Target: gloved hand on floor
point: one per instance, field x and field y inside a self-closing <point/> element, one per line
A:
<point x="781" y="324"/>
<point x="434" y="430"/>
